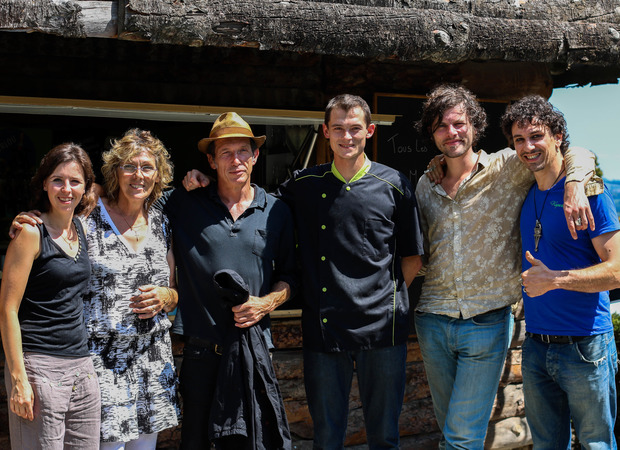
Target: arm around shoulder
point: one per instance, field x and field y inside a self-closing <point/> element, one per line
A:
<point x="580" y="164"/>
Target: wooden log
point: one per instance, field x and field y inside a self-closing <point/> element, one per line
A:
<point x="46" y="16"/>
<point x="511" y="374"/>
<point x="77" y="18"/>
<point x="100" y="18"/>
<point x="508" y="402"/>
<point x="383" y="33"/>
<point x="509" y="433"/>
<point x="286" y="333"/>
<point x="554" y="10"/>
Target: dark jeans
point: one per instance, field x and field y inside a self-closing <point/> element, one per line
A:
<point x="381" y="381"/>
<point x="197" y="386"/>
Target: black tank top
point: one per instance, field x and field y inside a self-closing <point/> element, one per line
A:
<point x="50" y="314"/>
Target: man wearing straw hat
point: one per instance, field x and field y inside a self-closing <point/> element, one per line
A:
<point x="360" y="245"/>
<point x="232" y="225"/>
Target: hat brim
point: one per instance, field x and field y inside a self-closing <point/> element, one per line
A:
<point x="203" y="144"/>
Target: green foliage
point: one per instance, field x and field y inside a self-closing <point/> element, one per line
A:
<point x="597" y="168"/>
<point x="615" y="319"/>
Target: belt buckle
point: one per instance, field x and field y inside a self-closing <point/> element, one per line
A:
<point x="546" y="338"/>
<point x="217" y="349"/>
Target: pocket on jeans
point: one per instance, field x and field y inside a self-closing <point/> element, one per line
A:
<point x="593" y="349"/>
<point x="494" y="317"/>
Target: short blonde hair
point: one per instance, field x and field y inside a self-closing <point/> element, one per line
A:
<point x="134" y="142"/>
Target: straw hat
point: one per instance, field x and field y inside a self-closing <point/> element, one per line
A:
<point x="229" y="125"/>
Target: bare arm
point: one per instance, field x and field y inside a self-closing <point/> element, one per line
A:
<point x="252" y="311"/>
<point x="153" y="299"/>
<point x="604" y="276"/>
<point x="21" y="253"/>
<point x="411" y="265"/>
<point x="195" y="179"/>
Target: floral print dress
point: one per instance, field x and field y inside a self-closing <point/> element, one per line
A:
<point x="132" y="356"/>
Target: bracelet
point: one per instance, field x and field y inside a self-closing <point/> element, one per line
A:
<point x="168" y="297"/>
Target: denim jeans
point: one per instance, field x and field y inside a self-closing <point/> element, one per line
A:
<point x="564" y="381"/>
<point x="381" y="380"/>
<point x="463" y="359"/>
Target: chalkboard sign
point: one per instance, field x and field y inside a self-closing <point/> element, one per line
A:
<point x="401" y="147"/>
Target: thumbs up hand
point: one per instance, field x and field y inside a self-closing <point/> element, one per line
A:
<point x="538" y="279"/>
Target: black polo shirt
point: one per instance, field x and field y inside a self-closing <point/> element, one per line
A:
<point x="259" y="245"/>
<point x="351" y="237"/>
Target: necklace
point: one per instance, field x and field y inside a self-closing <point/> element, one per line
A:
<point x="135" y="231"/>
<point x="538" y="225"/>
<point x="69" y="241"/>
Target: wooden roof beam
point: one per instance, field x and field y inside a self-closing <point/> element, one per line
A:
<point x="381" y="33"/>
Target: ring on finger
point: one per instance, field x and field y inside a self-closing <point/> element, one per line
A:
<point x="578" y="221"/>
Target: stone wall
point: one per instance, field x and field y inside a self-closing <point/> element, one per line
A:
<point x="507" y="429"/>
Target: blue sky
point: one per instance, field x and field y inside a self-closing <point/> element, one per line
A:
<point x="593" y="118"/>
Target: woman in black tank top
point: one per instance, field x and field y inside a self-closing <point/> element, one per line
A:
<point x="53" y="392"/>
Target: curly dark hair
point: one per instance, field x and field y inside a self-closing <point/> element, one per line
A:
<point x="535" y="110"/>
<point x="62" y="154"/>
<point x="445" y="97"/>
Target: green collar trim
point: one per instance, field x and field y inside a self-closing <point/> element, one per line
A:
<point x="363" y="171"/>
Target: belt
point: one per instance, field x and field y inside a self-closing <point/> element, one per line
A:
<point x="206" y="344"/>
<point x="551" y="339"/>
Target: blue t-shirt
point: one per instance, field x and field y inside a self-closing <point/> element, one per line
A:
<point x="562" y="312"/>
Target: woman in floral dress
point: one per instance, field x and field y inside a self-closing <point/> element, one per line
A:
<point x="132" y="289"/>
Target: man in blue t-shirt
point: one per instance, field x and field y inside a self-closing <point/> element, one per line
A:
<point x="569" y="354"/>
